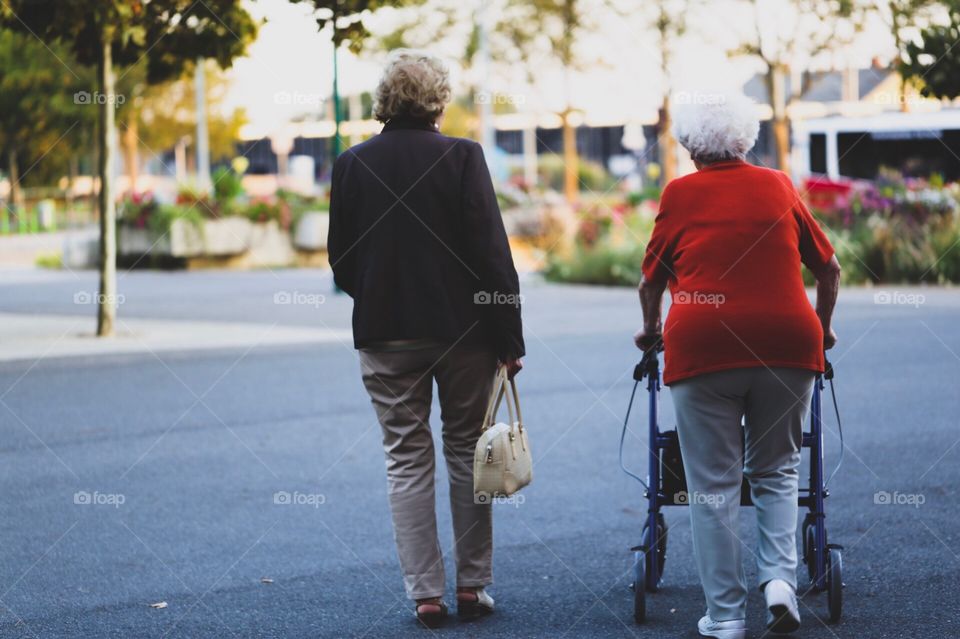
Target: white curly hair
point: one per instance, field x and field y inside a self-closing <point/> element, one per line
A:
<point x="716" y="127"/>
<point x="414" y="84"/>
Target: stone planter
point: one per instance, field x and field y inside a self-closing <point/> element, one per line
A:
<point x="311" y="231"/>
<point x="226" y="236"/>
<point x="216" y="238"/>
<point x="269" y="246"/>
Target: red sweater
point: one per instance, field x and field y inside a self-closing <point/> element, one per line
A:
<point x="729" y="241"/>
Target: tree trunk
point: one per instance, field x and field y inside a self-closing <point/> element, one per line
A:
<point x="131" y="156"/>
<point x="71" y="187"/>
<point x="16" y="191"/>
<point x="667" y="145"/>
<point x="779" y="123"/>
<point x="781" y="141"/>
<point x="571" y="163"/>
<point x="106" y="301"/>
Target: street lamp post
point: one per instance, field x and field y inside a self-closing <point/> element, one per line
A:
<point x="335" y="145"/>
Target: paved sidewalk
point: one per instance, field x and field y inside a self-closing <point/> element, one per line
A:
<point x="26" y="337"/>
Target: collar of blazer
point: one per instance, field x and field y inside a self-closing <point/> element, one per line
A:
<point x="409" y="123"/>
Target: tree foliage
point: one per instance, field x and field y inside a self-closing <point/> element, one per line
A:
<point x="934" y="62"/>
<point x="38" y="110"/>
<point x="346" y="17"/>
<point x="167" y="35"/>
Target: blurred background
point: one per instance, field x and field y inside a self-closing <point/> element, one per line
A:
<point x="225" y="118"/>
<point x="186" y="448"/>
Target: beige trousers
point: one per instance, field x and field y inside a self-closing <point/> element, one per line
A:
<point x="400" y="385"/>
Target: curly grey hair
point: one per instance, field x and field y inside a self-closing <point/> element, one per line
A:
<point x="716" y="127"/>
<point x="414" y="84"/>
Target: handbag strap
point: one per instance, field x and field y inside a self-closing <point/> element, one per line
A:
<point x="493" y="405"/>
<point x="516" y="403"/>
<point x="497" y="395"/>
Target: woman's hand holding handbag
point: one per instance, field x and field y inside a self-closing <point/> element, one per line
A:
<point x="502" y="463"/>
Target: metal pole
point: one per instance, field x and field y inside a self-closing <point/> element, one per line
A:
<point x="203" y="137"/>
<point x="487" y="133"/>
<point x="335" y="145"/>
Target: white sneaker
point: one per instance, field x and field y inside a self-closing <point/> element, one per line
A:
<point x="782" y="613"/>
<point x="733" y="629"/>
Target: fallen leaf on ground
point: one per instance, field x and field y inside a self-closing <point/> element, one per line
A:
<point x="266" y="580"/>
<point x="159" y="604"/>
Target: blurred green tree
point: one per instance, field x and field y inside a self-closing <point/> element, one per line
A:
<point x="902" y="16"/>
<point x="38" y="111"/>
<point x="934" y="62"/>
<point x="167" y="35"/>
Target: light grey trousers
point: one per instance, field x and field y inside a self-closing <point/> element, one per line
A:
<point x="709" y="409"/>
<point x="400" y="385"/>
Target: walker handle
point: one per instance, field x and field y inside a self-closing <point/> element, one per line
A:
<point x="650" y="363"/>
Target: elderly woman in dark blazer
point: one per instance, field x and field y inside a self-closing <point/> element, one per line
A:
<point x="742" y="342"/>
<point x="416" y="239"/>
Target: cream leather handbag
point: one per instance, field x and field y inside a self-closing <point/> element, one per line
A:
<point x="502" y="463"/>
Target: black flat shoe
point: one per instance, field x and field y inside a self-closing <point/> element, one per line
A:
<point x="434" y="615"/>
<point x="472" y="604"/>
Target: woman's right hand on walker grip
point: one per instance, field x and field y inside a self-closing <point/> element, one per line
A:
<point x="645" y="340"/>
<point x="829" y="339"/>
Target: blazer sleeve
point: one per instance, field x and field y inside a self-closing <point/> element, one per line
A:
<point x="488" y="255"/>
<point x="341" y="236"/>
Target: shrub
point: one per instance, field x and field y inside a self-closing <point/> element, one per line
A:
<point x="591" y="175"/>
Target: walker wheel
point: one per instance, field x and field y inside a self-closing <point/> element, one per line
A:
<point x="660" y="541"/>
<point x="835" y="582"/>
<point x="639" y="592"/>
<point x="810" y="550"/>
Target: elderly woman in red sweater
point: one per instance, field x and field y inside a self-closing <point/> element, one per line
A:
<point x="742" y="345"/>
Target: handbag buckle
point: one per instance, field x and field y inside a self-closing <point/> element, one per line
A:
<point x="489" y="453"/>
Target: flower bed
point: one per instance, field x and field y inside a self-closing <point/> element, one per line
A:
<point x="225" y="224"/>
<point x="891" y="230"/>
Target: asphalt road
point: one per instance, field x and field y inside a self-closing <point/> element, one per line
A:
<point x="181" y="455"/>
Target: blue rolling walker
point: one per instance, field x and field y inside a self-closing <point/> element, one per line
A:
<point x="666" y="486"/>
